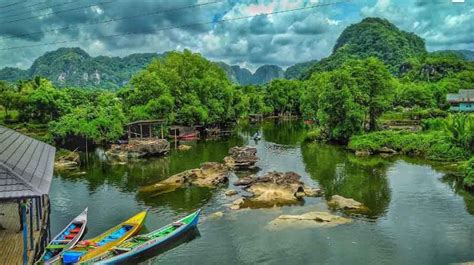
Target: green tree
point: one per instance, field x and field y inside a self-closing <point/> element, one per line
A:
<point x="374" y="87"/>
<point x="339" y="113"/>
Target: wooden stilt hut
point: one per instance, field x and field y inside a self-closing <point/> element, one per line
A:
<point x="26" y="171"/>
<point x="144" y="129"/>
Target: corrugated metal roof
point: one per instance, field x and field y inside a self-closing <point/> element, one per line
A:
<point x="26" y="165"/>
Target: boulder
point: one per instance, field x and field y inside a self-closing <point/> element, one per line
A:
<point x="139" y="149"/>
<point x="210" y="174"/>
<point x="346" y="204"/>
<point x="241" y="157"/>
<point x="236" y="205"/>
<point x="183" y="147"/>
<point x="386" y="150"/>
<point x="275" y="188"/>
<point x="363" y="153"/>
<point x="231" y="192"/>
<point x="217" y="215"/>
<point x="310" y="219"/>
<point x="67" y="161"/>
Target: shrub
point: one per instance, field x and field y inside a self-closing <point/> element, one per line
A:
<point x="433" y="145"/>
<point x="468" y="170"/>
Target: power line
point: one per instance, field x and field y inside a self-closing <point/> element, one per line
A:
<point x="177" y="27"/>
<point x="43" y="8"/>
<point x="115" y="19"/>
<point x="23" y="7"/>
<point x="56" y="12"/>
<point x="12" y="4"/>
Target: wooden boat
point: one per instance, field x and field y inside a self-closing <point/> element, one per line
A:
<point x="189" y="136"/>
<point x="87" y="250"/>
<point x="65" y="240"/>
<point x="140" y="244"/>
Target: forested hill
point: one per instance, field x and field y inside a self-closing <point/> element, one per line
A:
<point x="373" y="37"/>
<point x="73" y="67"/>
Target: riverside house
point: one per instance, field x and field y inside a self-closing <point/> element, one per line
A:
<point x="462" y="101"/>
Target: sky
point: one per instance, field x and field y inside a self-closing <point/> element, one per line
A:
<point x="247" y="38"/>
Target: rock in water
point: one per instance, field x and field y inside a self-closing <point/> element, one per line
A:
<point x="275" y="188"/>
<point x="231" y="193"/>
<point x="67" y="161"/>
<point x="346" y="204"/>
<point x="211" y="174"/>
<point x="139" y="149"/>
<point x="241" y="157"/>
<point x="183" y="147"/>
<point x="310" y="219"/>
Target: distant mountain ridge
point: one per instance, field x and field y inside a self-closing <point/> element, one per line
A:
<point x="74" y="67"/>
<point x="243" y="76"/>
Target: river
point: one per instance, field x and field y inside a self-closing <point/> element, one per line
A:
<point x="418" y="215"/>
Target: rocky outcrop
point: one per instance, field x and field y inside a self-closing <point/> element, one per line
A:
<point x="67" y="161"/>
<point x="183" y="147"/>
<point x="241" y="157"/>
<point x="310" y="219"/>
<point x="210" y="174"/>
<point x="139" y="149"/>
<point x="275" y="188"/>
<point x="346" y="204"/>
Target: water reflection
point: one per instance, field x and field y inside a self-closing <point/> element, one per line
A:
<point x="339" y="172"/>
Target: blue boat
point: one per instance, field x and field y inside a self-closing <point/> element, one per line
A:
<point x="140" y="244"/>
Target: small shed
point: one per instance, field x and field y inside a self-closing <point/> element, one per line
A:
<point x="461" y="101"/>
<point x="144" y="129"/>
<point x="26" y="171"/>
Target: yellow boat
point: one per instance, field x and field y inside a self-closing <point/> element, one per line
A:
<point x="85" y="251"/>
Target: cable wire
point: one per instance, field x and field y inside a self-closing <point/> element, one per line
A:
<point x="56" y="12"/>
<point x="114" y="19"/>
<point x="176" y="27"/>
<point x="11" y="4"/>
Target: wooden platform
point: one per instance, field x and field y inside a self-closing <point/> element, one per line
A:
<point x="11" y="238"/>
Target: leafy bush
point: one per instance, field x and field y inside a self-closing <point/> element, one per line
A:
<point x="314" y="135"/>
<point x="433" y="145"/>
<point x="468" y="171"/>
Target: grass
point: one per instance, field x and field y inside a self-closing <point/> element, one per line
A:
<point x="432" y="145"/>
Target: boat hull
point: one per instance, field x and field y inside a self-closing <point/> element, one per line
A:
<point x="107" y="240"/>
<point x="155" y="243"/>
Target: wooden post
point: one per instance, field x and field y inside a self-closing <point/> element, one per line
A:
<point x="36" y="200"/>
<point x="175" y="140"/>
<point x="141" y="131"/>
<point x="128" y="131"/>
<point x="25" y="232"/>
<point x="31" y="224"/>
<point x="162" y="136"/>
<point x="87" y="152"/>
<point x="149" y="130"/>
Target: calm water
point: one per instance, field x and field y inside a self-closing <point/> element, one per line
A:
<point x="418" y="215"/>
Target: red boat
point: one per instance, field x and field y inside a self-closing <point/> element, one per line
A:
<point x="189" y="136"/>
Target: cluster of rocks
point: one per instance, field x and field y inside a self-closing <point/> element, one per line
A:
<point x="68" y="161"/>
<point x="139" y="149"/>
<point x="241" y="157"/>
<point x="210" y="174"/>
<point x="383" y="151"/>
<point x="274" y="188"/>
